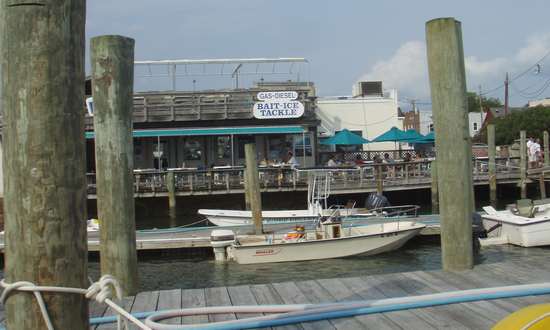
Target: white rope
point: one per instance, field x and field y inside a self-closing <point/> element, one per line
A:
<point x="101" y="291"/>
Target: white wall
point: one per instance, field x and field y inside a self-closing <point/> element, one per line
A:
<point x="475" y="120"/>
<point x="370" y="115"/>
<point x="426" y="120"/>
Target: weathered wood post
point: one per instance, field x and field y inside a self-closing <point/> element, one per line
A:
<point x="542" y="186"/>
<point x="253" y="186"/>
<point x="379" y="179"/>
<point x="42" y="54"/>
<point x="246" y="193"/>
<point x="171" y="187"/>
<point x="435" y="192"/>
<point x="112" y="60"/>
<point x="492" y="168"/>
<point x="523" y="163"/>
<point x="454" y="161"/>
<point x="546" y="150"/>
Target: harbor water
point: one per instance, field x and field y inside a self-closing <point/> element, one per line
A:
<point x="159" y="272"/>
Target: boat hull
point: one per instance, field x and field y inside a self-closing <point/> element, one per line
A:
<point x="325" y="248"/>
<point x="526" y="235"/>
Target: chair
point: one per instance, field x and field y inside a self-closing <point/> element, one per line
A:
<point x="525" y="208"/>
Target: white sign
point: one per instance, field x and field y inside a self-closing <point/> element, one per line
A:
<point x="90" y="106"/>
<point x="277" y="109"/>
<point x="269" y="96"/>
<point x="277" y="105"/>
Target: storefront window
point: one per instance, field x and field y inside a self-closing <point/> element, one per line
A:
<point x="301" y="144"/>
<point x="278" y="147"/>
<point x="223" y="147"/>
<point x="192" y="149"/>
<point x="242" y="140"/>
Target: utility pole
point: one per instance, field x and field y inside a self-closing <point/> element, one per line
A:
<point x="480" y="109"/>
<point x="506" y="83"/>
<point x="416" y="119"/>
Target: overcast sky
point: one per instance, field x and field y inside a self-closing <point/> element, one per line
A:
<point x="344" y="41"/>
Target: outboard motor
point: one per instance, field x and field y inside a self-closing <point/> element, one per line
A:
<point x="220" y="239"/>
<point x="375" y="201"/>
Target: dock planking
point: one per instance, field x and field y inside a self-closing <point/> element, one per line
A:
<point x="474" y="315"/>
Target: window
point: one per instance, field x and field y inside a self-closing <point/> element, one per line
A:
<point x="475" y="126"/>
<point x="223" y="147"/>
<point x="242" y="140"/>
<point x="192" y="149"/>
<point x="299" y="146"/>
<point x="431" y="127"/>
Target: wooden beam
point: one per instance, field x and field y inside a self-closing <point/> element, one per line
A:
<point x="112" y="60"/>
<point x="253" y="186"/>
<point x="523" y="163"/>
<point x="42" y="53"/>
<point x="453" y="145"/>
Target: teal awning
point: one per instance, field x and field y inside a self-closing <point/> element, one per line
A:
<point x="214" y="131"/>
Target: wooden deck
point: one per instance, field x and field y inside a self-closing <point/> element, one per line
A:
<point x="476" y="315"/>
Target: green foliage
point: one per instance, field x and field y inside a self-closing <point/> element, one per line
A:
<point x="473" y="102"/>
<point x="533" y="120"/>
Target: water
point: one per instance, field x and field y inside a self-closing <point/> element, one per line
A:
<point x="419" y="254"/>
<point x="159" y="273"/>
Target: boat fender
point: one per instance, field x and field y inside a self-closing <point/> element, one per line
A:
<point x="534" y="317"/>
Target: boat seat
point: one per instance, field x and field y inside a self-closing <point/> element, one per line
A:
<point x="525" y="208"/>
<point x="541" y="201"/>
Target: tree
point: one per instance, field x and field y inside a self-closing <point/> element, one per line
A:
<point x="533" y="120"/>
<point x="486" y="102"/>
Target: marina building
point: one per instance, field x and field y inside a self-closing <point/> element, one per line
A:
<point x="209" y="128"/>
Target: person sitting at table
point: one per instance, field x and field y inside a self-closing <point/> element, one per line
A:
<point x="390" y="169"/>
<point x="292" y="160"/>
<point x="331" y="162"/>
<point x="263" y="162"/>
<point x="359" y="160"/>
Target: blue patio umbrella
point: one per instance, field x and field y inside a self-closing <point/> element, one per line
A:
<point x="345" y="137"/>
<point x="393" y="135"/>
<point x="413" y="135"/>
<point x="429" y="138"/>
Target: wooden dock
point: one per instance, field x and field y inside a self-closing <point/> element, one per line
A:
<point x="199" y="237"/>
<point x="476" y="315"/>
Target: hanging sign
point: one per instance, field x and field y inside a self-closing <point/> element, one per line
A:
<point x="278" y="105"/>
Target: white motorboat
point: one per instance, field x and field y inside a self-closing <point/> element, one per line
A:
<point x="239" y="218"/>
<point x="328" y="240"/>
<point x="527" y="224"/>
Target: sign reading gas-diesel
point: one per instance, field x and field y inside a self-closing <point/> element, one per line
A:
<point x="277" y="105"/>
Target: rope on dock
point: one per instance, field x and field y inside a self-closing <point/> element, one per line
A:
<point x="173" y="229"/>
<point x="102" y="292"/>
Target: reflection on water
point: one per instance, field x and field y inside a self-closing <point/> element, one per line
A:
<point x="420" y="254"/>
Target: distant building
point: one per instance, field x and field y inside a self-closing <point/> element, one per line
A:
<point x="475" y="122"/>
<point x="535" y="103"/>
<point x="426" y="123"/>
<point x="368" y="112"/>
<point x="411" y="120"/>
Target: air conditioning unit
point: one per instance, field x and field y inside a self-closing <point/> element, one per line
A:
<point x="369" y="88"/>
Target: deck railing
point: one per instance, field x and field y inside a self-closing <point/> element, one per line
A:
<point x="190" y="181"/>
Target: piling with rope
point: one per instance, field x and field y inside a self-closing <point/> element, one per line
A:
<point x="42" y="57"/>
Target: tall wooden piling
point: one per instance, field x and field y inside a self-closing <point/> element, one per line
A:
<point x="546" y="150"/>
<point x="379" y="179"/>
<point x="434" y="190"/>
<point x="171" y="187"/>
<point x="246" y="194"/>
<point x="454" y="166"/>
<point x="492" y="168"/>
<point x="42" y="55"/>
<point x="112" y="60"/>
<point x="523" y="163"/>
<point x="253" y="186"/>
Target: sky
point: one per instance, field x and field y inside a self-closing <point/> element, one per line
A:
<point x="344" y="41"/>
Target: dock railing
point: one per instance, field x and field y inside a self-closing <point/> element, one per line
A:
<point x="357" y="178"/>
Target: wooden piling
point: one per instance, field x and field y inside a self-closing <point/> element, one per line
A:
<point x="246" y="194"/>
<point x="435" y="193"/>
<point x="542" y="186"/>
<point x="449" y="104"/>
<point x="112" y="60"/>
<point x="42" y="55"/>
<point x="546" y="150"/>
<point x="379" y="179"/>
<point x="523" y="163"/>
<point x="171" y="187"/>
<point x="253" y="186"/>
<point x="492" y="164"/>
